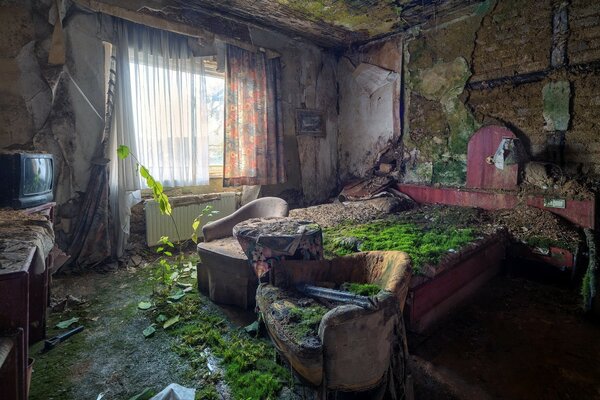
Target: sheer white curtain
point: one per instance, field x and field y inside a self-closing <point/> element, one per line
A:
<point x="169" y="107"/>
<point x="160" y="114"/>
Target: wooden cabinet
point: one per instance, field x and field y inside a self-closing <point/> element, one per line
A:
<point x="26" y="239"/>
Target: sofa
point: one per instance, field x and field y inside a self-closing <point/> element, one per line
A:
<point x="224" y="274"/>
<point x="349" y="336"/>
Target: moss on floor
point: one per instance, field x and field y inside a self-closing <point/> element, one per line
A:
<point x="112" y="356"/>
<point x="248" y="364"/>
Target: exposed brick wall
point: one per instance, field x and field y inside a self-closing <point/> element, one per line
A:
<point x="583" y="139"/>
<point x="584" y="23"/>
<point x="514" y="39"/>
<point x="518" y="107"/>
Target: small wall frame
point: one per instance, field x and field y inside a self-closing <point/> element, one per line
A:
<point x="310" y="122"/>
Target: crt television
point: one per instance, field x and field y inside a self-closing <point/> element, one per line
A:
<point x="27" y="179"/>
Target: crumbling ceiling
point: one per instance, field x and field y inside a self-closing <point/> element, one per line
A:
<point x="328" y="23"/>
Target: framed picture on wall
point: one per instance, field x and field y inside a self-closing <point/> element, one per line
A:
<point x="310" y="122"/>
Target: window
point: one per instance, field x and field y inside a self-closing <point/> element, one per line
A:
<point x="215" y="89"/>
<point x="178" y="116"/>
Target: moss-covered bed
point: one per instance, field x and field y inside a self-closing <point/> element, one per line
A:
<point x="426" y="234"/>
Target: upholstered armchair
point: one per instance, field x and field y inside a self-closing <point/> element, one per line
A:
<point x="223" y="271"/>
<point x="356" y="348"/>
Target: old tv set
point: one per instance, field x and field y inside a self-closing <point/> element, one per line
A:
<point x="27" y="179"/>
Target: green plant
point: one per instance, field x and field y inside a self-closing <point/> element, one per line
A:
<point x="168" y="272"/>
<point x="304" y="321"/>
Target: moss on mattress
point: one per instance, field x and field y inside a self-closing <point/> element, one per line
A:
<point x="424" y="245"/>
<point x="361" y="289"/>
<point x="304" y="321"/>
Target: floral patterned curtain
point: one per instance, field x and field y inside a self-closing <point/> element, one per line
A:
<point x="253" y="126"/>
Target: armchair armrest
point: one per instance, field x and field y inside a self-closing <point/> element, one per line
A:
<point x="353" y="338"/>
<point x="263" y="207"/>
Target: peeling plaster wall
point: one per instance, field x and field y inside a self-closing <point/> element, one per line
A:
<point x="367" y="123"/>
<point x="517" y="76"/>
<point x="43" y="110"/>
<point x="54" y="108"/>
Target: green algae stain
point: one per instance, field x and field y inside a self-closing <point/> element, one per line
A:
<point x="557" y="97"/>
<point x="452" y="172"/>
<point x="444" y="82"/>
<point x="462" y="125"/>
<point x="377" y="17"/>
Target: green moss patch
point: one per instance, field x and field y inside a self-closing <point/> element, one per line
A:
<point x="304" y="321"/>
<point x="375" y="17"/>
<point x="424" y="245"/>
<point x="248" y="364"/>
<point x="361" y="289"/>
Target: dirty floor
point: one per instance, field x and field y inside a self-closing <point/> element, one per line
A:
<point x="112" y="358"/>
<point x="522" y="337"/>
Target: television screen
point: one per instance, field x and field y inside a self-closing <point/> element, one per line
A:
<point x="37" y="175"/>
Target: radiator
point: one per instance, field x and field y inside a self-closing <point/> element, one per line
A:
<point x="185" y="209"/>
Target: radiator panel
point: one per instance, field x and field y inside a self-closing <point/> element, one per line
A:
<point x="158" y="225"/>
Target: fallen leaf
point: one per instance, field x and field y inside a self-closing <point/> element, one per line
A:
<point x="177" y="295"/>
<point x="145" y="395"/>
<point x="66" y="323"/>
<point x="171" y="322"/>
<point x="252" y="328"/>
<point x="149" y="331"/>
<point x="144" y="305"/>
<point x="161" y="318"/>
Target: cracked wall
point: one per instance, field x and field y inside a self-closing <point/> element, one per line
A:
<point x="60" y="109"/>
<point x="502" y="63"/>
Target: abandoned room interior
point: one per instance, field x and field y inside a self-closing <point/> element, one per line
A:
<point x="299" y="199"/>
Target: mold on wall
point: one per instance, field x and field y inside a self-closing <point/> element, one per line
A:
<point x="437" y="69"/>
<point x="517" y="72"/>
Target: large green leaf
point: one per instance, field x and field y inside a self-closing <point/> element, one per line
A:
<point x="65" y="324"/>
<point x="123" y="152"/>
<point x="144" y="305"/>
<point x="171" y="321"/>
<point x="149" y="331"/>
<point x="177" y="295"/>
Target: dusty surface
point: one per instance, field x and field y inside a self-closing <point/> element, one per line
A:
<point x="333" y="214"/>
<point x="518" y="339"/>
<point x="526" y="223"/>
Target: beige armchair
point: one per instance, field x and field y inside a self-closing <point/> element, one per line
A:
<point x="224" y="274"/>
<point x="356" y="348"/>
